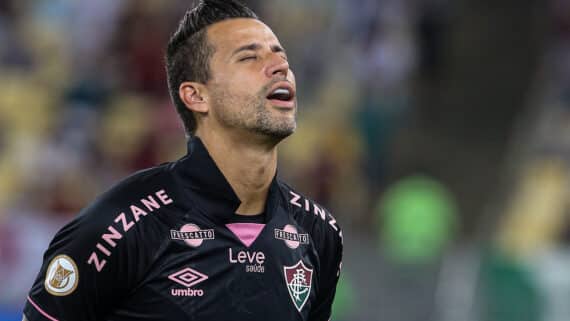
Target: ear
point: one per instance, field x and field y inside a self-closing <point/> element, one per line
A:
<point x="192" y="94"/>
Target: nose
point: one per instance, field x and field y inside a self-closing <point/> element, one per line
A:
<point x="277" y="66"/>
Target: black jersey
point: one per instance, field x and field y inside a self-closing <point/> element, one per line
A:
<point x="164" y="244"/>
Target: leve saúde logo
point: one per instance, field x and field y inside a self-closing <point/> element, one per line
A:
<point x="62" y="276"/>
<point x="298" y="279"/>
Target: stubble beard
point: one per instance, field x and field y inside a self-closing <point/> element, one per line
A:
<point x="253" y="115"/>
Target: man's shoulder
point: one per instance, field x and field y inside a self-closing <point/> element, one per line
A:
<point x="311" y="215"/>
<point x="117" y="221"/>
<point x="148" y="189"/>
<point x="141" y="181"/>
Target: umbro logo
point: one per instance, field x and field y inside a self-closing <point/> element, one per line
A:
<point x="188" y="278"/>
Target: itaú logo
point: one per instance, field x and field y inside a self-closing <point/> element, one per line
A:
<point x="188" y="278"/>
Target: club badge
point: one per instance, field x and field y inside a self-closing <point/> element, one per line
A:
<point x="298" y="279"/>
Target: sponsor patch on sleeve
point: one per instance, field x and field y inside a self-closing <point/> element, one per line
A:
<point x="62" y="276"/>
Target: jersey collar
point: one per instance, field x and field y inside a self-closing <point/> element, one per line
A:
<point x="210" y="190"/>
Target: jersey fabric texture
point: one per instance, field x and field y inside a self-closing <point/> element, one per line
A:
<point x="165" y="244"/>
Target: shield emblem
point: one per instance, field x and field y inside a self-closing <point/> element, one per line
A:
<point x="61" y="277"/>
<point x="298" y="278"/>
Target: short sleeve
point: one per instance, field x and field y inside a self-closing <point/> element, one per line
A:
<point x="86" y="269"/>
<point x="330" y="255"/>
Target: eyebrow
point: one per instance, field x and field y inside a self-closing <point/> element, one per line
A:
<point x="257" y="46"/>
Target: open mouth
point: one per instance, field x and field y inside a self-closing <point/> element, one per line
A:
<point x="282" y="94"/>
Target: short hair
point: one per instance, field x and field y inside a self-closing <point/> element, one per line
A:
<point x="188" y="53"/>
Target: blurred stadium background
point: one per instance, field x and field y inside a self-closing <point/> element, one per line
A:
<point x="436" y="131"/>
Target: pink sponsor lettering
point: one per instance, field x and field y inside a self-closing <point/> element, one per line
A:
<point x="186" y="292"/>
<point x="94" y="259"/>
<point x="164" y="197"/>
<point x="114" y="235"/>
<point x="123" y="223"/>
<point x="295" y="199"/>
<point x="319" y="211"/>
<point x="126" y="225"/>
<point x="103" y="249"/>
<point x="150" y="203"/>
<point x="316" y="210"/>
<point x="252" y="257"/>
<point x="332" y="223"/>
<point x="137" y="212"/>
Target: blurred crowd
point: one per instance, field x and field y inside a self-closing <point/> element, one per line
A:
<point x="84" y="103"/>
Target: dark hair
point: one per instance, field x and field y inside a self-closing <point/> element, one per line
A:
<point x="189" y="52"/>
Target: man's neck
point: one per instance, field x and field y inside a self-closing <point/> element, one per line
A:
<point x="248" y="166"/>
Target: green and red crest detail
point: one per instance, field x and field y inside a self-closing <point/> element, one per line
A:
<point x="298" y="278"/>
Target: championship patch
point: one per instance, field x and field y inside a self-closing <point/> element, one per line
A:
<point x="192" y="235"/>
<point x="291" y="237"/>
<point x="62" y="276"/>
<point x="298" y="279"/>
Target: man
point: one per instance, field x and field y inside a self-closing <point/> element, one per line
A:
<point x="214" y="236"/>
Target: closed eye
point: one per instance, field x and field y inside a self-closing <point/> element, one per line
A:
<point x="248" y="58"/>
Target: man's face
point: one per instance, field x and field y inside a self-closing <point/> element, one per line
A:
<point x="251" y="86"/>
